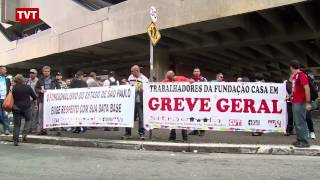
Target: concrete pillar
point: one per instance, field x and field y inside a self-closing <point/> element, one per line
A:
<point x="162" y="63"/>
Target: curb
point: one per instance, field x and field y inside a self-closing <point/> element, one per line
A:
<point x="171" y="146"/>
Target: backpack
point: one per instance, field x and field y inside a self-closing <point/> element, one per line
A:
<point x="313" y="86"/>
<point x="113" y="82"/>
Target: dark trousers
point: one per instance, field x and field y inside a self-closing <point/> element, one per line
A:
<point x="309" y="121"/>
<point x="138" y="112"/>
<point x="17" y="115"/>
<point x="3" y="117"/>
<point x="173" y="134"/>
<point x="300" y="124"/>
<point x="290" y="118"/>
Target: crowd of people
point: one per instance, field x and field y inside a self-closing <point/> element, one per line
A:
<point x="28" y="94"/>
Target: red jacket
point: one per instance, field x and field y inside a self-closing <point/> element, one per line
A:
<point x="178" y="79"/>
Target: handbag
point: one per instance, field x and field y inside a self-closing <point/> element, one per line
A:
<point x="8" y="102"/>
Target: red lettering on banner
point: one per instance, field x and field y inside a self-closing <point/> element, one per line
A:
<point x="153" y="106"/>
<point x="178" y="104"/>
<point x="204" y="102"/>
<point x="275" y="107"/>
<point x="264" y="107"/>
<point x="235" y="104"/>
<point x="166" y="102"/>
<point x="190" y="104"/>
<point x="248" y="104"/>
<point x="225" y="107"/>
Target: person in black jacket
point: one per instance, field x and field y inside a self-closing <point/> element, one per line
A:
<point x="45" y="83"/>
<point x="21" y="108"/>
<point x="4" y="90"/>
<point x="78" y="82"/>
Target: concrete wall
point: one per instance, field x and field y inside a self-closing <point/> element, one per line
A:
<point x="74" y="27"/>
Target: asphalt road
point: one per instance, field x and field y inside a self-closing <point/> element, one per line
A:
<point x="47" y="162"/>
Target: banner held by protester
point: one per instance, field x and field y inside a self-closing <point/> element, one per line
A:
<point x="91" y="107"/>
<point x="217" y="106"/>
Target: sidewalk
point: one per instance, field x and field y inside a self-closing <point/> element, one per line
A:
<point x="175" y="147"/>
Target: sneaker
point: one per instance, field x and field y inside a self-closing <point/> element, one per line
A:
<point x="256" y="134"/>
<point x="193" y="133"/>
<point x="43" y="133"/>
<point x="16" y="143"/>
<point x="185" y="140"/>
<point x="300" y="145"/>
<point x="313" y="136"/>
<point x="24" y="138"/>
<point x="58" y="133"/>
<point x="171" y="139"/>
<point x="7" y="132"/>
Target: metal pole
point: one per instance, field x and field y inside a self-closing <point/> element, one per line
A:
<point x="151" y="62"/>
<point x="151" y="75"/>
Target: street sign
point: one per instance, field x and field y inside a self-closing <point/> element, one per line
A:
<point x="153" y="33"/>
<point x="153" y="14"/>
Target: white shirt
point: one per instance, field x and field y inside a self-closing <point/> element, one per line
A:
<point x="137" y="82"/>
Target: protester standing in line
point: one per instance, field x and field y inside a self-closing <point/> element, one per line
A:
<point x="22" y="107"/>
<point x="198" y="78"/>
<point x="111" y="81"/>
<point x="137" y="79"/>
<point x="171" y="77"/>
<point x="46" y="82"/>
<point x="4" y="90"/>
<point x="78" y="82"/>
<point x="289" y="129"/>
<point x="259" y="78"/>
<point x="32" y="81"/>
<point x="92" y="80"/>
<point x="301" y="103"/>
<point x="59" y="78"/>
<point x="219" y="77"/>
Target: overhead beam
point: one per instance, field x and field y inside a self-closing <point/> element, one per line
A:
<point x="312" y="51"/>
<point x="274" y="17"/>
<point x="306" y="10"/>
<point x="182" y="36"/>
<point x="262" y="50"/>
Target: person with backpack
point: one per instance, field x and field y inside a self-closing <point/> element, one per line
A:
<point x="314" y="95"/>
<point x="301" y="103"/>
<point x="111" y="81"/>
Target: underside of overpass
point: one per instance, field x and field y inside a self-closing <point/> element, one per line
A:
<point x="262" y="41"/>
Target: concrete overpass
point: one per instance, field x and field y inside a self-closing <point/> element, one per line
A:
<point x="232" y="36"/>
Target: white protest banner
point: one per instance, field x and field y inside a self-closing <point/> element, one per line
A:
<point x="94" y="107"/>
<point x="217" y="106"/>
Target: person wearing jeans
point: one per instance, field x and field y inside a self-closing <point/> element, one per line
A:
<point x="44" y="83"/>
<point x="21" y="108"/>
<point x="300" y="104"/>
<point x="4" y="90"/>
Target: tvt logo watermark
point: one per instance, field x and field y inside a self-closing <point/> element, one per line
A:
<point x="25" y="15"/>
